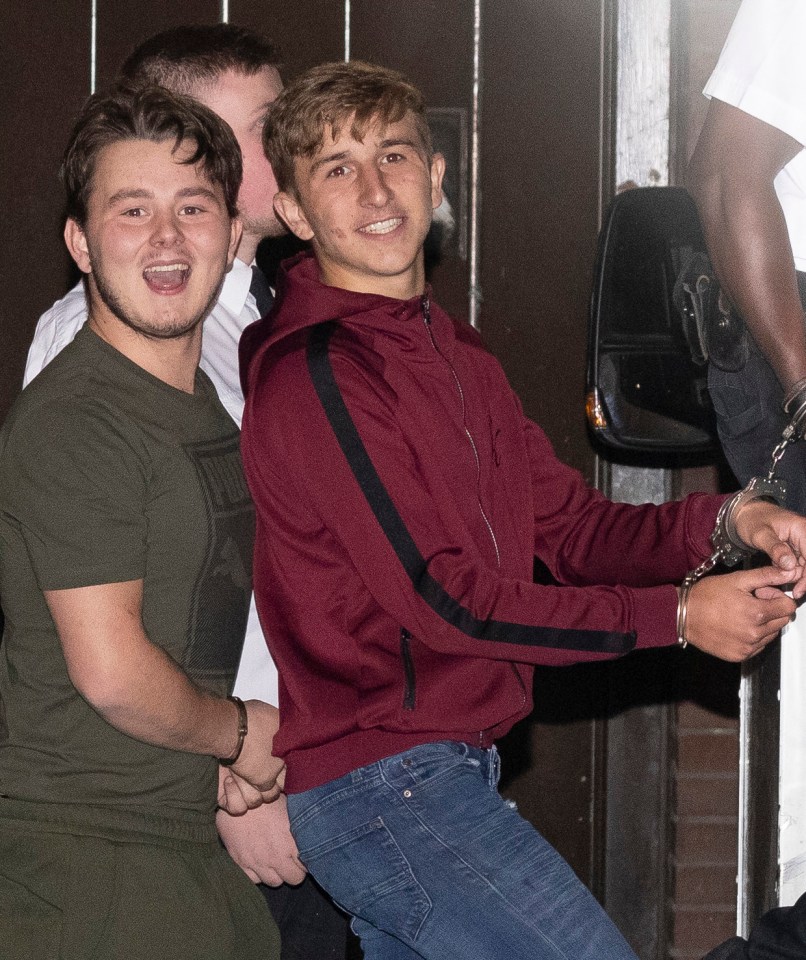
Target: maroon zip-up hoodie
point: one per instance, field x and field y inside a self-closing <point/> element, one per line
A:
<point x="401" y="496"/>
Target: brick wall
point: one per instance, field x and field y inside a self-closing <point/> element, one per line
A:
<point x="705" y="787"/>
<point x="704" y="860"/>
<point x="705" y="775"/>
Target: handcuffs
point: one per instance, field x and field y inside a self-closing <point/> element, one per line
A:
<point x="729" y="549"/>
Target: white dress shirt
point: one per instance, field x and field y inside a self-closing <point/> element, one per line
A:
<point x="234" y="310"/>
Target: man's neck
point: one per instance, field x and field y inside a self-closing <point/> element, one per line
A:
<point x="247" y="249"/>
<point x="174" y="360"/>
<point x="401" y="287"/>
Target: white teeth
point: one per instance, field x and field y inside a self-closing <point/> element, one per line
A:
<point x="166" y="268"/>
<point x="383" y="226"/>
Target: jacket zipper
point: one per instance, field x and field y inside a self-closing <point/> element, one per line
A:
<point x="425" y="304"/>
<point x="410" y="694"/>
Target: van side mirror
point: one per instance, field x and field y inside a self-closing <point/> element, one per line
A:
<point x="646" y="387"/>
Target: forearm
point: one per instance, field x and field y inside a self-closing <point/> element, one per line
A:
<point x="144" y="694"/>
<point x="586" y="539"/>
<point x="157" y="702"/>
<point x="731" y="177"/>
<point x="747" y="239"/>
<point x="131" y="682"/>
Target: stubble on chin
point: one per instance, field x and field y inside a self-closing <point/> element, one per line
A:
<point x="135" y="321"/>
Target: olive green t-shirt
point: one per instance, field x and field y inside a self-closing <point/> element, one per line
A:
<point x="107" y="474"/>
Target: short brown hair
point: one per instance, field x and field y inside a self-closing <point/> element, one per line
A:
<point x="188" y="57"/>
<point x="330" y="95"/>
<point x="157" y="115"/>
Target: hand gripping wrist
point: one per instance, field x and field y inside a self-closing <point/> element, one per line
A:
<point x="729" y="548"/>
<point x="726" y="541"/>
<point x="795" y="407"/>
<point x="243" y="729"/>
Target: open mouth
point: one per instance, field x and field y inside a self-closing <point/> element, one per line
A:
<point x="167" y="277"/>
<point x="382" y="226"/>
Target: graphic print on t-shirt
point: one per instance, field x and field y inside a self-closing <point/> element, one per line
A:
<point x="215" y="633"/>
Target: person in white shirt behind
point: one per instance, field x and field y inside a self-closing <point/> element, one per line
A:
<point x="234" y="72"/>
<point x="748" y="177"/>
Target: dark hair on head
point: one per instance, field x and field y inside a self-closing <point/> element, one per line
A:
<point x="157" y="115"/>
<point x="330" y="95"/>
<point x="186" y="58"/>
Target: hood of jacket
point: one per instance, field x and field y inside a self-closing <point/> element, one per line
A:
<point x="302" y="300"/>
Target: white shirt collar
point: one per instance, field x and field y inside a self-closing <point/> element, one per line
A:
<point x="235" y="288"/>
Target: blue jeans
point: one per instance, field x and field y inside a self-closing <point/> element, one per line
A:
<point x="431" y="862"/>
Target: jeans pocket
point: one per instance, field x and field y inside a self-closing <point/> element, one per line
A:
<point x="367" y="874"/>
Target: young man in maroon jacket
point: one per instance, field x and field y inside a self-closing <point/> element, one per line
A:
<point x="401" y="497"/>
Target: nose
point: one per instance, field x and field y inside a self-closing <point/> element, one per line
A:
<point x="373" y="189"/>
<point x="166" y="229"/>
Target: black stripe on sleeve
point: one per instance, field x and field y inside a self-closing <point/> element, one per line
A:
<point x="402" y="543"/>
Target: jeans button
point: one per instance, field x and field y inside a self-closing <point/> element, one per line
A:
<point x="407" y="794"/>
<point x="407" y="762"/>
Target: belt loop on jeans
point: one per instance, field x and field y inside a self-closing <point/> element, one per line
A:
<point x="371" y="772"/>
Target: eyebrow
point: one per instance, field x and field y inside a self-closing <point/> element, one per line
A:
<point x="383" y="145"/>
<point x="400" y="142"/>
<point x="330" y="158"/>
<point x="140" y="194"/>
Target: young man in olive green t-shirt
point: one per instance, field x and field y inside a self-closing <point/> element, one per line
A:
<point x="125" y="560"/>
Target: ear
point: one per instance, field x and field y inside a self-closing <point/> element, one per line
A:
<point x="437" y="173"/>
<point x="288" y="209"/>
<point x="76" y="241"/>
<point x="236" y="231"/>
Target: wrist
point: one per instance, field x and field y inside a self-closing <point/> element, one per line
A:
<point x="242" y="730"/>
<point x="726" y="539"/>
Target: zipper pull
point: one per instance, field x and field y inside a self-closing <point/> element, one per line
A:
<point x="425" y="306"/>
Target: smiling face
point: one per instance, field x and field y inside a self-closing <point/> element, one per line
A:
<point x="243" y="100"/>
<point x="366" y="207"/>
<point x="157" y="240"/>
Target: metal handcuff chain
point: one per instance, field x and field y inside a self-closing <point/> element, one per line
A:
<point x="728" y="547"/>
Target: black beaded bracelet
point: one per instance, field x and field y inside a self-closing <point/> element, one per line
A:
<point x="243" y="729"/>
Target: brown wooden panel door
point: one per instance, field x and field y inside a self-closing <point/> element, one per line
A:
<point x="307" y="31"/>
<point x="540" y="163"/>
<point x="431" y="41"/>
<point x="539" y="222"/>
<point x="45" y="73"/>
<point x="122" y="26"/>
